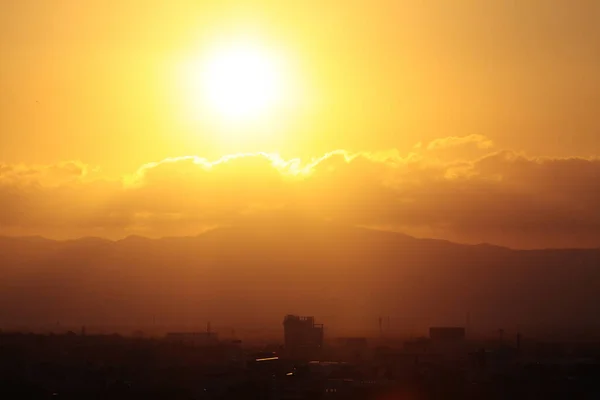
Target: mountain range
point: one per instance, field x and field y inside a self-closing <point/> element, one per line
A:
<point x="250" y="275"/>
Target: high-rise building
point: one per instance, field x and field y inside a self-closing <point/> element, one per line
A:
<point x="303" y="338"/>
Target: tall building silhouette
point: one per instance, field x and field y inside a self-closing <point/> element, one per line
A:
<point x="303" y="338"/>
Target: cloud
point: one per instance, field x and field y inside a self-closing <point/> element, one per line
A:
<point x="55" y="174"/>
<point x="479" y="141"/>
<point x="502" y="197"/>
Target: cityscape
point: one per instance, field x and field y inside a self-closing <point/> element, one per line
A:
<point x="299" y="199"/>
<point x="305" y="364"/>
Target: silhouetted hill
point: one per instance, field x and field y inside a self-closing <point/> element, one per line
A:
<point x="251" y="274"/>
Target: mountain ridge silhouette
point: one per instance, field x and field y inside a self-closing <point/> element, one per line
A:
<point x="247" y="275"/>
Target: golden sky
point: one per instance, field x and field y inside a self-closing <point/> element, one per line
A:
<point x="451" y="107"/>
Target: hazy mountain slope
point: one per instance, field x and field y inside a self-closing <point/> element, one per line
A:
<point x="245" y="275"/>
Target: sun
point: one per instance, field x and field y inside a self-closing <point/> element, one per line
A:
<point x="238" y="82"/>
<point x="242" y="82"/>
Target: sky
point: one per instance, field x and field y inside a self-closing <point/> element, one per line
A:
<point x="474" y="121"/>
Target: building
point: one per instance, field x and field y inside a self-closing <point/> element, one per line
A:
<point x="303" y="338"/>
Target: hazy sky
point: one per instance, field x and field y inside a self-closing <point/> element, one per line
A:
<point x="513" y="86"/>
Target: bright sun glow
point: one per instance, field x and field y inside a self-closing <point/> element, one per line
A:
<point x="239" y="82"/>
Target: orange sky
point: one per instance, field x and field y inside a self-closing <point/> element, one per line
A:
<point x="503" y="98"/>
